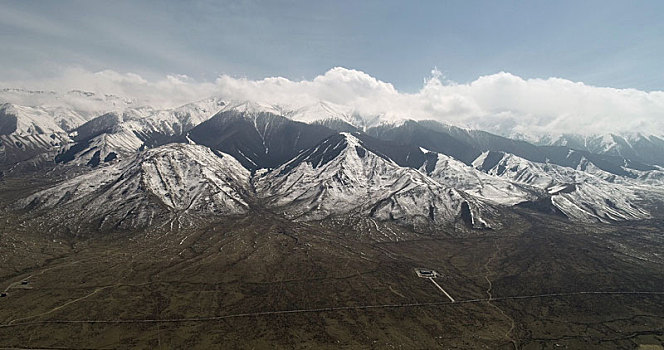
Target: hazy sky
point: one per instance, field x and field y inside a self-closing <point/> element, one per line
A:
<point x="526" y="68"/>
<point x="602" y="43"/>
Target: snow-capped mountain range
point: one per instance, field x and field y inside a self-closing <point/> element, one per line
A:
<point x="123" y="165"/>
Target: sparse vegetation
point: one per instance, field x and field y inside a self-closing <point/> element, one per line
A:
<point x="217" y="285"/>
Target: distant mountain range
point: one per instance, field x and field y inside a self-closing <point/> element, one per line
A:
<point x="108" y="163"/>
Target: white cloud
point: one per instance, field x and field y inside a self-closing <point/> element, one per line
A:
<point x="501" y="102"/>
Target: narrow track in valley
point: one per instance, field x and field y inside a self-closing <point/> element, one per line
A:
<point x="328" y="309"/>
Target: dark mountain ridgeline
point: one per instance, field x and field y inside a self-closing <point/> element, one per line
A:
<point x="261" y="140"/>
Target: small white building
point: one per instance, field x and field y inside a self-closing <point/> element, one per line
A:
<point x="426" y="273"/>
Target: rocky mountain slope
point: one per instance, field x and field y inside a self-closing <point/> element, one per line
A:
<point x="341" y="176"/>
<point x="139" y="166"/>
<point x="175" y="182"/>
<point x="580" y="195"/>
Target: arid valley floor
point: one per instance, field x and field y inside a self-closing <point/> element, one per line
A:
<point x="261" y="282"/>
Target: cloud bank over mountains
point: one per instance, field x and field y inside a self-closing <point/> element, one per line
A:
<point x="501" y="102"/>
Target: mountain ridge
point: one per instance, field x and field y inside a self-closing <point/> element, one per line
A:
<point x="417" y="173"/>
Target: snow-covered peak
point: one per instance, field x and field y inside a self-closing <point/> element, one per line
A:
<point x="340" y="176"/>
<point x="635" y="146"/>
<point x="184" y="176"/>
<point x="169" y="122"/>
<point x="351" y="139"/>
<point x="322" y="110"/>
<point x="455" y="174"/>
<point x="252" y="108"/>
<point x="70" y="108"/>
<point x="22" y="120"/>
<point x="203" y="109"/>
<point x="50" y="112"/>
<point x="180" y="180"/>
<point x="580" y="195"/>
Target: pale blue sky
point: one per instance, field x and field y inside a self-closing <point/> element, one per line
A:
<point x="603" y="43"/>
